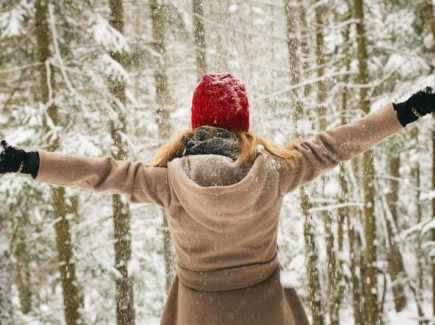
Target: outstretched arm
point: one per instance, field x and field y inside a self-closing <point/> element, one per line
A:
<point x="139" y="183"/>
<point x="345" y="142"/>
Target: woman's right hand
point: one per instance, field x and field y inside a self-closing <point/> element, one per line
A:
<point x="418" y="105"/>
<point x="15" y="160"/>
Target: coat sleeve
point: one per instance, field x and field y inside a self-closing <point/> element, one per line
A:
<point x="331" y="147"/>
<point x="139" y="183"/>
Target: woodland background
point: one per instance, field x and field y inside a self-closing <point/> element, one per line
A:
<point x="116" y="78"/>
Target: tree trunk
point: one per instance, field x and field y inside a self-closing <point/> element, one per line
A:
<point x="312" y="257"/>
<point x="199" y="38"/>
<point x="125" y="313"/>
<point x="220" y="12"/>
<point x="355" y="258"/>
<point x="292" y="40"/>
<point x="22" y="271"/>
<point x="72" y="297"/>
<point x="395" y="260"/>
<point x="6" y="309"/>
<point x="420" y="252"/>
<point x="311" y="251"/>
<point x="433" y="213"/>
<point x="431" y="25"/>
<point x="347" y="214"/>
<point x="368" y="182"/>
<point x="163" y="100"/>
<point x="332" y="270"/>
<point x="305" y="44"/>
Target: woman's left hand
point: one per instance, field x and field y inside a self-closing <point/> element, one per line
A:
<point x="15" y="160"/>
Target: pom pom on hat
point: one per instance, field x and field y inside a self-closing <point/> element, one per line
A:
<point x="220" y="100"/>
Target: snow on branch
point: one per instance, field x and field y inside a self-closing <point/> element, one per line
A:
<point x="335" y="206"/>
<point x="113" y="70"/>
<point x="11" y="23"/>
<point x="109" y="37"/>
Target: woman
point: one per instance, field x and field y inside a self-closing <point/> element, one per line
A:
<point x="223" y="187"/>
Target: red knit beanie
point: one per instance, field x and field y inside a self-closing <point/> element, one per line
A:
<point x="220" y="100"/>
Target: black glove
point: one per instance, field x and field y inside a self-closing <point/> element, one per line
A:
<point x="418" y="105"/>
<point x="13" y="160"/>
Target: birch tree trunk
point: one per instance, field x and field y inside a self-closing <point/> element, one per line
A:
<point x="164" y="101"/>
<point x="368" y="182"/>
<point x="6" y="309"/>
<point x="199" y="37"/>
<point x="72" y="298"/>
<point x="125" y="313"/>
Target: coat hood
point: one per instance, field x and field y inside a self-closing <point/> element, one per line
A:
<point x="219" y="192"/>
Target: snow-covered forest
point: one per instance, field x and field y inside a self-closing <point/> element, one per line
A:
<point x="116" y="77"/>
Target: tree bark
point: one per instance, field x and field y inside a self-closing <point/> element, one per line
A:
<point x="199" y="37"/>
<point x="305" y="44"/>
<point x="222" y="41"/>
<point x="431" y="25"/>
<point x="395" y="260"/>
<point x="312" y="257"/>
<point x="72" y="297"/>
<point x="22" y="268"/>
<point x="332" y="269"/>
<point x="6" y="308"/>
<point x="125" y="313"/>
<point x="291" y="11"/>
<point x="420" y="252"/>
<point x="311" y="251"/>
<point x="163" y="100"/>
<point x="347" y="214"/>
<point x="368" y="182"/>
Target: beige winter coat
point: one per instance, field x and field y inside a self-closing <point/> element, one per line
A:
<point x="224" y="219"/>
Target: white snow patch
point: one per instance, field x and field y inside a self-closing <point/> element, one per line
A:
<point x="233" y="8"/>
<point x="134" y="267"/>
<point x="427" y="196"/>
<point x="113" y="70"/>
<point x="10" y="23"/>
<point x="109" y="37"/>
<point x="286" y="279"/>
<point x="303" y="126"/>
<point x="332" y="187"/>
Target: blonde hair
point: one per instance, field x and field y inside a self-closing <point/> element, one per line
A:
<point x="248" y="142"/>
